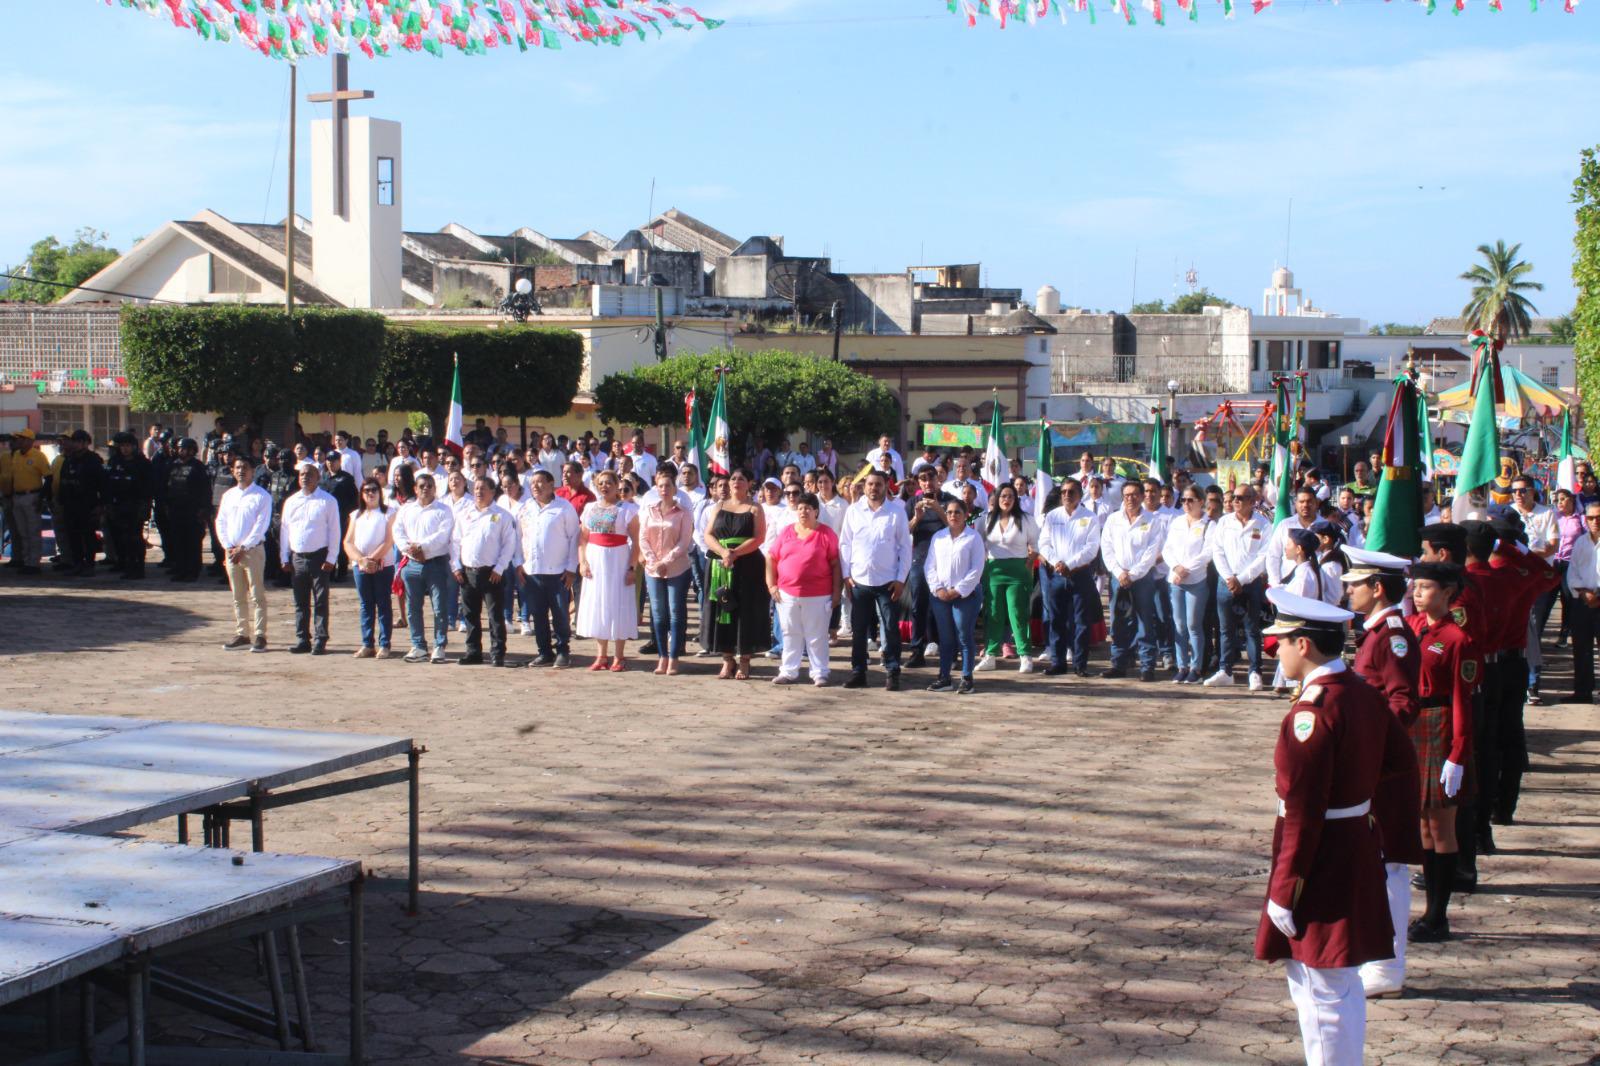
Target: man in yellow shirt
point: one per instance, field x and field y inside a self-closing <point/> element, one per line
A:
<point x="29" y="474"/>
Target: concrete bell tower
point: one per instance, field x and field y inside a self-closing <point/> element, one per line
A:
<point x="356" y="189"/>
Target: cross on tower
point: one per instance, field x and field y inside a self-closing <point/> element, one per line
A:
<point x="340" y="98"/>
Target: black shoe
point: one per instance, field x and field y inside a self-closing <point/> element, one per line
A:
<point x="30" y="570"/>
<point x="648" y="649"/>
<point x="892" y="682"/>
<point x="472" y="658"/>
<point x="563" y="660"/>
<point x="1418" y="881"/>
<point x="319" y="649"/>
<point x="856" y="681"/>
<point x="133" y="575"/>
<point x="236" y="644"/>
<point x="1423" y="931"/>
<point x="1056" y="669"/>
<point x="941" y="685"/>
<point x="1115" y="671"/>
<point x="302" y="648"/>
<point x="1147" y="675"/>
<point x="965" y="688"/>
<point x="497" y="660"/>
<point x="1081" y="671"/>
<point x="1485" y="841"/>
<point x="917" y="661"/>
<point x="542" y="660"/>
<point x="1465" y="882"/>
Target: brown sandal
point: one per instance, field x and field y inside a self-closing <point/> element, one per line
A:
<point x="727" y="669"/>
<point x="743" y="673"/>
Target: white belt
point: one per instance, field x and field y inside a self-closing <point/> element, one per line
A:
<point x="1335" y="813"/>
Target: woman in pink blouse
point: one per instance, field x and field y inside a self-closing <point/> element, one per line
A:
<point x="666" y="533"/>
<point x="803" y="577"/>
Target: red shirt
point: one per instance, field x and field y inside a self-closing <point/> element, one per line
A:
<point x="1450" y="671"/>
<point x="579" y="497"/>
<point x="805" y="566"/>
<point x="1530" y="577"/>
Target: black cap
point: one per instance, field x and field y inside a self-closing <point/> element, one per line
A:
<point x="188" y="442"/>
<point x="1508" y="527"/>
<point x="123" y="438"/>
<point x="1442" y="573"/>
<point x="81" y="436"/>
<point x="1448" y="535"/>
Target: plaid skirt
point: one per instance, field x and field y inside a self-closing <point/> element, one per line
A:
<point x="1430" y="734"/>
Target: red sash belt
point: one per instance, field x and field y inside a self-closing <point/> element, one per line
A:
<point x="608" y="540"/>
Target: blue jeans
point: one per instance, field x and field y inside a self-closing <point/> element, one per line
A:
<point x="1133" y="622"/>
<point x="957" y="623"/>
<point x="515" y="603"/>
<point x="669" y="613"/>
<point x="1244" y="610"/>
<point x="433" y="579"/>
<point x="1189" y="623"/>
<point x="865" y="600"/>
<point x="549" y="601"/>
<point x="1070" y="600"/>
<point x="377" y="605"/>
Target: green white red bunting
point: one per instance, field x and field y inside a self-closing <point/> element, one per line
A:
<point x="289" y="29"/>
<point x="1007" y="13"/>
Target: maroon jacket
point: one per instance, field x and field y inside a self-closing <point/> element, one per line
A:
<point x="1389" y="659"/>
<point x="1335" y="744"/>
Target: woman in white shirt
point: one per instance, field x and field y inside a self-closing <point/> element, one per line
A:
<point x="1012" y="540"/>
<point x="1187" y="553"/>
<point x="369" y="545"/>
<point x="550" y="457"/>
<point x="954" y="569"/>
<point x="1305" y="576"/>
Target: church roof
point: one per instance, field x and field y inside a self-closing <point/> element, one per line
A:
<point x="253" y="263"/>
<point x="760" y="246"/>
<point x="273" y="236"/>
<point x="446" y="245"/>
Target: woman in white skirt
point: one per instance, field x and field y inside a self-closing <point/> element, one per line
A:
<point x="608" y="547"/>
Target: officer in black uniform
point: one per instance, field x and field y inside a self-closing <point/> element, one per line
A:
<point x="80" y="497"/>
<point x="347" y="494"/>
<point x="160" y="463"/>
<point x="281" y="484"/>
<point x="220" y="472"/>
<point x="187" y="495"/>
<point x="128" y="493"/>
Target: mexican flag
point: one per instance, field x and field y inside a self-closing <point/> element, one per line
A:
<point x="715" y="442"/>
<point x="1282" y="464"/>
<point x="452" y="425"/>
<point x="691" y="418"/>
<point x="1566" y="465"/>
<point x="1159" y="460"/>
<point x="1426" y="425"/>
<point x="1480" y="458"/>
<point x="1044" y="477"/>
<point x="995" y="467"/>
<point x="1397" y="508"/>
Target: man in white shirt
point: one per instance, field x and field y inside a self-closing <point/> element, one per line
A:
<point x="929" y="459"/>
<point x="402" y="457"/>
<point x="875" y="555"/>
<point x="349" y="458"/>
<point x="1583" y="585"/>
<point x="1069" y="544"/>
<point x="1153" y="489"/>
<point x="1240" y="550"/>
<point x="422" y="533"/>
<point x="482" y="544"/>
<point x="549" y="529"/>
<point x="1130" y="542"/>
<point x="1306" y="509"/>
<point x="802" y="458"/>
<point x="960" y="478"/>
<point x="243" y="518"/>
<point x="308" y="543"/>
<point x="644" y="464"/>
<point x="1538" y="520"/>
<point x="884" y="457"/>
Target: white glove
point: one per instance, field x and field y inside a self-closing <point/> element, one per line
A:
<point x="1283" y="918"/>
<point x="1450" y="778"/>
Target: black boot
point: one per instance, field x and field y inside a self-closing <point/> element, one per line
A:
<point x="1433" y="927"/>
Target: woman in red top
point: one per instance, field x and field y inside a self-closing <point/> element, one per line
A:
<point x="803" y="577"/>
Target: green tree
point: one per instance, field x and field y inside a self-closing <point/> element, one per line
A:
<point x="511" y="372"/>
<point x="1498" y="305"/>
<point x="1394" y="329"/>
<point x="770" y="394"/>
<point x="1562" y="330"/>
<point x="1149" y="307"/>
<point x="1586" y="279"/>
<point x="1193" y="303"/>
<point x="65" y="265"/>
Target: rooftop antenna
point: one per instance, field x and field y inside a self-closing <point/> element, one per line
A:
<point x="650" y="217"/>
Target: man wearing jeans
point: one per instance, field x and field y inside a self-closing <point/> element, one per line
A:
<point x="875" y="555"/>
<point x="307" y="548"/>
<point x="1069" y="544"/>
<point x="1239" y="552"/>
<point x="1130" y="543"/>
<point x="549" y="529"/>
<point x="242" y="521"/>
<point x="422" y="532"/>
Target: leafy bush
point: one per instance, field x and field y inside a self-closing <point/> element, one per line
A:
<point x="512" y="371"/>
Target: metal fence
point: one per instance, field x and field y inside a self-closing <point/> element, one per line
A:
<point x="68" y="352"/>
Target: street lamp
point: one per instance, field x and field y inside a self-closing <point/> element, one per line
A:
<point x="520" y="303"/>
<point x="1172" y="422"/>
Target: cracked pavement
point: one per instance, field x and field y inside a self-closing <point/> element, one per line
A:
<point x="685" y="870"/>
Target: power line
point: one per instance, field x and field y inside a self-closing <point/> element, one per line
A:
<point x="86" y="288"/>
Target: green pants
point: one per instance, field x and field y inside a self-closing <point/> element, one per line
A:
<point x="1008" y="586"/>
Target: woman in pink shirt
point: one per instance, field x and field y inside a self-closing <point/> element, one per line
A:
<point x="666" y="532"/>
<point x="803" y="578"/>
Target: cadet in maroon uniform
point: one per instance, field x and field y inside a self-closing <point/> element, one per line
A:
<point x="1446" y="542"/>
<point x="1534" y="576"/>
<point x="1386" y="658"/>
<point x="1326" y="912"/>
<point x="1442" y="734"/>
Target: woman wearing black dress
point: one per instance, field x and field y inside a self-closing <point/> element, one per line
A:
<point x="736" y="595"/>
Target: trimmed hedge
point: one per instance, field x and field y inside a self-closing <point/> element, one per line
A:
<point x="512" y="371"/>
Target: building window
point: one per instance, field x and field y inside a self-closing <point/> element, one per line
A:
<point x="1324" y="355"/>
<point x="1255" y="355"/>
<point x="385" y="181"/>
<point x="1124" y="367"/>
<point x="1279" y="355"/>
<point x="104" y="420"/>
<point x="1550" y="375"/>
<point x="227" y="278"/>
<point x="56" y="419"/>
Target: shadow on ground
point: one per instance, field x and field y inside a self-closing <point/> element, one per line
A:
<point x="38" y="620"/>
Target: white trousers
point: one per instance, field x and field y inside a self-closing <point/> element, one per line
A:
<point x="1387" y="975"/>
<point x="803" y="620"/>
<point x="1333" y="1013"/>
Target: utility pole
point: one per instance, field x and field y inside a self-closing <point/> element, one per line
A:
<point x="661" y="325"/>
<point x="838" y="328"/>
<point x="288" y="223"/>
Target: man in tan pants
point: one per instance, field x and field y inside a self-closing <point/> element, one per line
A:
<point x="242" y="520"/>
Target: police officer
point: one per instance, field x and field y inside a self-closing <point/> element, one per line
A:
<point x="346" y="492"/>
<point x="219" y="470"/>
<point x="1326" y="912"/>
<point x="186" y="492"/>
<point x="79" y="498"/>
<point x="160" y="463"/>
<point x="1387" y="658"/>
<point x="128" y="493"/>
<point x="281" y="483"/>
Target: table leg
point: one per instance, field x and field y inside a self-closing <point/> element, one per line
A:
<point x="86" y="1021"/>
<point x="415" y="785"/>
<point x="358" y="976"/>
<point x="136" y="1019"/>
<point x="258" y="835"/>
<point x="302" y="998"/>
<point x="280" y="1010"/>
<point x="183" y="829"/>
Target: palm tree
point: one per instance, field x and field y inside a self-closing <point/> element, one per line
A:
<point x="1498" y="306"/>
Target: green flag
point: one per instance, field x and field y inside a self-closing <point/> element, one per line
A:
<point x="1566" y="461"/>
<point x="995" y="467"/>
<point x="1044" y="477"/>
<point x="1282" y="466"/>
<point x="1480" y="459"/>
<point x="1426" y="425"/>
<point x="1159" y="460"/>
<point x="718" y="455"/>
<point x="1397" y="509"/>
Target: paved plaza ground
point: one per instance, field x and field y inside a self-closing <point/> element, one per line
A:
<point x="685" y="870"/>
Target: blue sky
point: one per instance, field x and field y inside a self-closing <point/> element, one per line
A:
<point x="889" y="133"/>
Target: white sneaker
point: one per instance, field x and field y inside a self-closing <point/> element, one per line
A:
<point x="437" y="656"/>
<point x="1255" y="682"/>
<point x="985" y="663"/>
<point x="1219" y="679"/>
<point x="527" y="629"/>
<point x="931" y="651"/>
<point x="1025" y="666"/>
<point x="461" y="627"/>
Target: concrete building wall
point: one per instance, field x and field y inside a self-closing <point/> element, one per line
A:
<point x="356" y="258"/>
<point x="743" y="276"/>
<point x="879" y="304"/>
